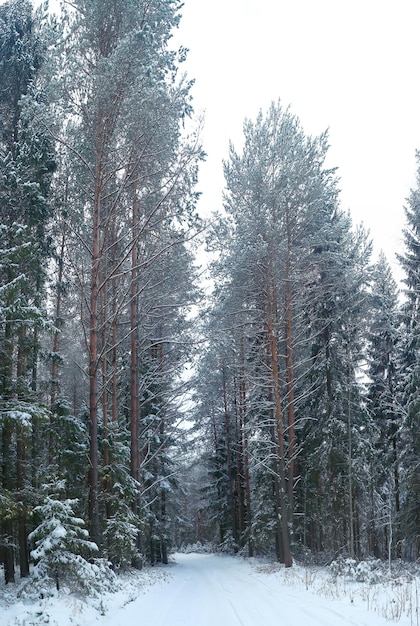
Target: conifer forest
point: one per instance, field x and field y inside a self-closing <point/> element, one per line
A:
<point x="266" y="403"/>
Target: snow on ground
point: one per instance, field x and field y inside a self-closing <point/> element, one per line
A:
<point x="213" y="590"/>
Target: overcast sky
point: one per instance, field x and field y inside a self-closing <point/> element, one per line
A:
<point x="348" y="65"/>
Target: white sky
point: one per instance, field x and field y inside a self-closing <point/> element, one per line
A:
<point x="348" y="65"/>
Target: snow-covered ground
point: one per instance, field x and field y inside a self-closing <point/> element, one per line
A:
<point x="212" y="590"/>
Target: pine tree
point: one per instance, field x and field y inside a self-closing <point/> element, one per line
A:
<point x="127" y="215"/>
<point x="278" y="197"/>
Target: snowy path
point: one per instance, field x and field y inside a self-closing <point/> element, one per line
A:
<point x="208" y="590"/>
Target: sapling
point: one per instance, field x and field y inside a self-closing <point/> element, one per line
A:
<point x="61" y="545"/>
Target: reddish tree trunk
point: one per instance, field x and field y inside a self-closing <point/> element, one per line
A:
<point x="114" y="378"/>
<point x="273" y="351"/>
<point x="243" y="406"/>
<point x="133" y="355"/>
<point x="93" y="364"/>
<point x="134" y="402"/>
<point x="229" y="469"/>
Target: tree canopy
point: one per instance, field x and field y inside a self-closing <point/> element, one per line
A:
<point x="273" y="412"/>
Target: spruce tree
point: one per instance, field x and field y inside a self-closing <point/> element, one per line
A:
<point x="384" y="393"/>
<point x="61" y="545"/>
<point x="26" y="166"/>
<point x="410" y="261"/>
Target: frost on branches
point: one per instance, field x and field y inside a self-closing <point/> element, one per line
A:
<point x="62" y="548"/>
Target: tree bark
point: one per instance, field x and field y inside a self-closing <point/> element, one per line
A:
<point x="7" y="550"/>
<point x="273" y="351"/>
<point x="243" y="405"/>
<point x="21" y="461"/>
<point x="20" y="484"/>
<point x="229" y="469"/>
<point x="93" y="356"/>
<point x="134" y="367"/>
<point x="290" y="377"/>
<point x="134" y="404"/>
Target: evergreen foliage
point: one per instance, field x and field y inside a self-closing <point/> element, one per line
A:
<point x="303" y="408"/>
<point x="410" y="434"/>
<point x="282" y="419"/>
<point x="61" y="543"/>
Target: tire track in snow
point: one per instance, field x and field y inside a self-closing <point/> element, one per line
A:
<point x="209" y="590"/>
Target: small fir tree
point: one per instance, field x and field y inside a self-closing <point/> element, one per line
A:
<point x="61" y="544"/>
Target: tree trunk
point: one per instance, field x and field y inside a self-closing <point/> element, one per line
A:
<point x="21" y="461"/>
<point x="55" y="347"/>
<point x="243" y="406"/>
<point x="7" y="550"/>
<point x="8" y="553"/>
<point x="93" y="361"/>
<point x="134" y="366"/>
<point x="290" y="377"/>
<point x="105" y="411"/>
<point x="239" y="456"/>
<point x="114" y="335"/>
<point x="163" y="540"/>
<point x="229" y="468"/>
<point x="350" y="470"/>
<point x="273" y="351"/>
<point x="20" y="484"/>
<point x="134" y="384"/>
<point x="57" y="315"/>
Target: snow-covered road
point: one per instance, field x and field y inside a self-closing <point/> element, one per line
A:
<point x="209" y="590"/>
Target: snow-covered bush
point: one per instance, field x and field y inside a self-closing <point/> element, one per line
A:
<point x="362" y="571"/>
<point x="197" y="547"/>
<point x="62" y="548"/>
